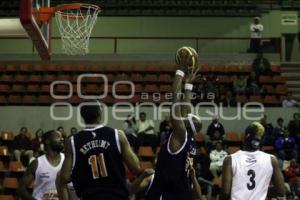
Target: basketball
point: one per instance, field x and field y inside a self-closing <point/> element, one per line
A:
<point x="187" y="54"/>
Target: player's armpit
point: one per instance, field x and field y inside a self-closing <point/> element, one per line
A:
<point x="277" y="178"/>
<point x="65" y="173"/>
<point x="26" y="180"/>
<point x="226" y="179"/>
<point x="129" y="157"/>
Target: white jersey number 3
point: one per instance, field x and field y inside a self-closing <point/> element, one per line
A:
<point x="251" y="183"/>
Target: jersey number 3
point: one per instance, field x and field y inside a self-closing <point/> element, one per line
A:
<point x="98" y="164"/>
<point x="251" y="174"/>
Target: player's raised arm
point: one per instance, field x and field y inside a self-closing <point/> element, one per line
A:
<point x="188" y="86"/>
<point x="26" y="180"/>
<point x="277" y="178"/>
<point x="226" y="179"/>
<point x="129" y="157"/>
<point x="184" y="59"/>
<point x="65" y="173"/>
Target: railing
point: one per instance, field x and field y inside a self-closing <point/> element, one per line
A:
<point x="168" y="44"/>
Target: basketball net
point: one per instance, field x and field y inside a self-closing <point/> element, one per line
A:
<point x="75" y="25"/>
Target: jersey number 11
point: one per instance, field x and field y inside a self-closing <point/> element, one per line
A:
<point x="98" y="165"/>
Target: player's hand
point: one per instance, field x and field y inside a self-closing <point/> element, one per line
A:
<point x="147" y="172"/>
<point x="191" y="76"/>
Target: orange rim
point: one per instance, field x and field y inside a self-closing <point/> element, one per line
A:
<point x="44" y="14"/>
<point x="75" y="6"/>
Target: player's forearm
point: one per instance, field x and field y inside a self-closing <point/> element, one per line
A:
<point x="197" y="194"/>
<point x="176" y="112"/>
<point x="176" y="88"/>
<point x="149" y="129"/>
<point x="186" y="107"/>
<point x="63" y="192"/>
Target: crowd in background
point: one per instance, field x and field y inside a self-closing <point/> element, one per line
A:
<point x="283" y="137"/>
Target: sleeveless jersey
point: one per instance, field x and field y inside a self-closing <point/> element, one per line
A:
<point x="98" y="171"/>
<point x="171" y="180"/>
<point x="252" y="172"/>
<point x="44" y="184"/>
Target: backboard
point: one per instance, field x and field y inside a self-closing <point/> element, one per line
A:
<point x="39" y="32"/>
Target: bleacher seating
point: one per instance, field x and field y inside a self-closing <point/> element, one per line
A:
<point x="32" y="87"/>
<point x="166" y="8"/>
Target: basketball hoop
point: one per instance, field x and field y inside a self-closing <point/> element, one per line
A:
<point x="75" y="23"/>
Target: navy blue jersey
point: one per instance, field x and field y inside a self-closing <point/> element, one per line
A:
<point x="171" y="180"/>
<point x="98" y="170"/>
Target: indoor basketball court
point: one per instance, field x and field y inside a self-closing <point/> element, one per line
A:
<point x="55" y="56"/>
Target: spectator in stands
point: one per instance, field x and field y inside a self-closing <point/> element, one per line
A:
<point x="269" y="137"/>
<point x="130" y="128"/>
<point x="261" y="65"/>
<point x="62" y="131"/>
<point x="36" y="143"/>
<point x="22" y="146"/>
<point x="228" y="100"/>
<point x="146" y="133"/>
<point x="286" y="147"/>
<point x="200" y="93"/>
<point x="217" y="156"/>
<point x="73" y="131"/>
<point x="289" y="102"/>
<point x="279" y="129"/>
<point x="215" y="133"/>
<point x="253" y="86"/>
<point x="239" y="84"/>
<point x="211" y="86"/>
<point x="256" y="29"/>
<point x="294" y="127"/>
<point x="166" y="131"/>
<point x="292" y="174"/>
<point x="164" y="124"/>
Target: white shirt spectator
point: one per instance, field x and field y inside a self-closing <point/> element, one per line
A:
<point x="217" y="157"/>
<point x="143" y="125"/>
<point x="256" y="30"/>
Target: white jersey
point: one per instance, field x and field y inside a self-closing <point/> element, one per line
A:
<point x="44" y="184"/>
<point x="252" y="172"/>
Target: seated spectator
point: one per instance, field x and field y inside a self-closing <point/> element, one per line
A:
<point x="228" y="100"/>
<point x="22" y="145"/>
<point x="165" y="130"/>
<point x="130" y="128"/>
<point x="164" y="124"/>
<point x="279" y="129"/>
<point x="286" y="147"/>
<point x="240" y="84"/>
<point x="36" y="143"/>
<point x="211" y="86"/>
<point x="62" y="131"/>
<point x="215" y="133"/>
<point x="294" y="127"/>
<point x="73" y="131"/>
<point x="269" y="138"/>
<point x="145" y="132"/>
<point x="289" y="102"/>
<point x="217" y="156"/>
<point x="292" y="173"/>
<point x="253" y="86"/>
<point x="261" y="65"/>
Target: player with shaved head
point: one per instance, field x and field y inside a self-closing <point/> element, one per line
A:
<point x="172" y="180"/>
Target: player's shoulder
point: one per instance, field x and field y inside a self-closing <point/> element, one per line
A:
<point x="262" y="153"/>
